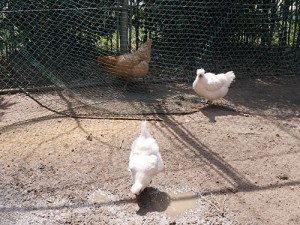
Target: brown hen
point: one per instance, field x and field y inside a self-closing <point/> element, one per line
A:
<point x="129" y="66"/>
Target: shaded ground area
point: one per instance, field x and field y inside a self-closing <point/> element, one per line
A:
<point x="270" y="96"/>
<point x="232" y="163"/>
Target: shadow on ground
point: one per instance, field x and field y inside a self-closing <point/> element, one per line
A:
<point x="152" y="200"/>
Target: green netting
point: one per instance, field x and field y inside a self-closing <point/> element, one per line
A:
<point x="50" y="49"/>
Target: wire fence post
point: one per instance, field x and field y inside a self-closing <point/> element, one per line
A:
<point x="124" y="27"/>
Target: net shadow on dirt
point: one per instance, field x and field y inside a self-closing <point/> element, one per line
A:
<point x="142" y="100"/>
<point x="238" y="182"/>
<point x="4" y="105"/>
<point x="206" y="155"/>
<point x="64" y="206"/>
<point x="268" y="97"/>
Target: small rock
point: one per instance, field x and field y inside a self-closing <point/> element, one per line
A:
<point x="159" y="101"/>
<point x="282" y="177"/>
<point x="231" y="189"/>
<point x="178" y="103"/>
<point x="89" y="137"/>
<point x="246" y="115"/>
<point x="42" y="167"/>
<point x="181" y="98"/>
<point x="277" y="135"/>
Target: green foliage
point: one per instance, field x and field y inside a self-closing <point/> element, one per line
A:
<point x="51" y="29"/>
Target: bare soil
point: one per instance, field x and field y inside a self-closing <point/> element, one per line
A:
<point x="235" y="162"/>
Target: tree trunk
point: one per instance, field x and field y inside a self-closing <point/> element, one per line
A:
<point x="130" y="26"/>
<point x="272" y="21"/>
<point x="296" y="25"/>
<point x="137" y="25"/>
<point x="266" y="22"/>
<point x="285" y="14"/>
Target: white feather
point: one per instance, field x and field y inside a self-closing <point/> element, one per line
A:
<point x="212" y="86"/>
<point x="145" y="160"/>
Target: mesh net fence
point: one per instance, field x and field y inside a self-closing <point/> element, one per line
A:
<point x="94" y="57"/>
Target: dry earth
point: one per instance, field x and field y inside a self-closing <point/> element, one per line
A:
<point x="222" y="166"/>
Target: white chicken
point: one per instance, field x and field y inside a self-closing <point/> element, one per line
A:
<point x="212" y="86"/>
<point x="145" y="160"/>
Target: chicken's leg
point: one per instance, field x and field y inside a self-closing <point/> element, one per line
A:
<point x="206" y="102"/>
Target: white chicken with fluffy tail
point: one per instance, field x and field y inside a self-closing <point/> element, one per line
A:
<point x="145" y="160"/>
<point x="212" y="86"/>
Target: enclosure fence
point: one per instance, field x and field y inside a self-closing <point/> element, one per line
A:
<point x="50" y="49"/>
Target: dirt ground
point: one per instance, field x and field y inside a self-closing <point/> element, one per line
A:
<point x="224" y="165"/>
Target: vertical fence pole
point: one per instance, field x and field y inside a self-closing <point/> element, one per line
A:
<point x="130" y="25"/>
<point x="124" y="27"/>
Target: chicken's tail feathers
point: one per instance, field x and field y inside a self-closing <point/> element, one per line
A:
<point x="106" y="60"/>
<point x="230" y="75"/>
<point x="144" y="130"/>
<point x="200" y="71"/>
<point x="99" y="60"/>
<point x="103" y="60"/>
<point x="148" y="43"/>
